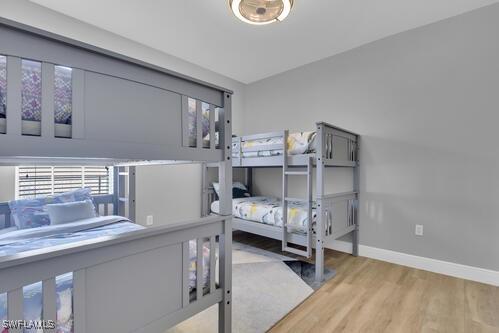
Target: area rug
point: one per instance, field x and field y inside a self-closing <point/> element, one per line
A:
<point x="264" y="289"/>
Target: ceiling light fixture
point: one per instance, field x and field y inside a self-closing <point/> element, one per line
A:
<point x="260" y="12"/>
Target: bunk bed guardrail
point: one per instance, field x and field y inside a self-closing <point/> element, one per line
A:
<point x="147" y="302"/>
<point x="339" y="148"/>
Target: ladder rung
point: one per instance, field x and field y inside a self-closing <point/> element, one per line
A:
<point x="297" y="199"/>
<point x="296" y="251"/>
<point x="296" y="173"/>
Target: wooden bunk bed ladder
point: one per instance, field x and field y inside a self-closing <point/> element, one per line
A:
<point x="286" y="172"/>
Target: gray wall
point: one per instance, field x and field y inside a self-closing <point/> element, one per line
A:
<point x="426" y="102"/>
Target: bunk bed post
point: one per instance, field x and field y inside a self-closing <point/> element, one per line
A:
<point x="319" y="244"/>
<point x="248" y="179"/>
<point x="356" y="189"/>
<point x="131" y="193"/>
<point x="225" y="180"/>
<point x="121" y="197"/>
<point x="116" y="190"/>
<point x="204" y="186"/>
<point x="284" y="242"/>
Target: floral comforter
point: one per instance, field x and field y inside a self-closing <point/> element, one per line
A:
<point x="268" y="210"/>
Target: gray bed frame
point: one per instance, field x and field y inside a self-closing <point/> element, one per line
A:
<point x="337" y="213"/>
<point x="124" y="112"/>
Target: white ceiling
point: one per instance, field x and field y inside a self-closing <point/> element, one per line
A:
<point x="205" y="33"/>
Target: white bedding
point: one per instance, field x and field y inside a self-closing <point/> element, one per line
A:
<point x="268" y="210"/>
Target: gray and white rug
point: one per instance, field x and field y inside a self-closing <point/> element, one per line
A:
<point x="265" y="288"/>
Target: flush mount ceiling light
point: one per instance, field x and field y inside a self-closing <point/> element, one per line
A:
<point x="260" y="12"/>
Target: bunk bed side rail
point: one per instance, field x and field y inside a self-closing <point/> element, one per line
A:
<point x="146" y="272"/>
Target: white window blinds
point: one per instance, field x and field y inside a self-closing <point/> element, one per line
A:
<point x="35" y="181"/>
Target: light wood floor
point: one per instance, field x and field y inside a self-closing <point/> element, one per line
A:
<point x="373" y="296"/>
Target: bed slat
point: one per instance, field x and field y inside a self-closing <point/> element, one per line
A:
<point x="8" y="222"/>
<point x="199" y="124"/>
<point x="79" y="310"/>
<point x="213" y="143"/>
<point x="49" y="302"/>
<point x="14" y="77"/>
<point x="48" y="101"/>
<point x="185" y="274"/>
<point x="78" y="108"/>
<point x="185" y="121"/>
<point x="213" y="264"/>
<point x="199" y="269"/>
<point x="15" y="299"/>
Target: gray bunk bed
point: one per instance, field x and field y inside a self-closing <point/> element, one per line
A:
<point x="336" y="213"/>
<point x="118" y="112"/>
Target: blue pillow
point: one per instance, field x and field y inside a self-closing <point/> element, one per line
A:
<point x="31" y="213"/>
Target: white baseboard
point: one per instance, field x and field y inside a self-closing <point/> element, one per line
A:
<point x="428" y="264"/>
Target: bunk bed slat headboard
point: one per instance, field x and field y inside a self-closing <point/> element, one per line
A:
<point x="99" y="104"/>
<point x="5" y="216"/>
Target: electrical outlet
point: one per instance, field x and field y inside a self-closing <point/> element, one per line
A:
<point x="419" y="230"/>
<point x="149" y="220"/>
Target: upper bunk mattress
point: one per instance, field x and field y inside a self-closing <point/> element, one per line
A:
<point x="268" y="210"/>
<point x="298" y="143"/>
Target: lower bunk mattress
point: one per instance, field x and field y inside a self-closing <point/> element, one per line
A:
<point x="37" y="238"/>
<point x="268" y="210"/>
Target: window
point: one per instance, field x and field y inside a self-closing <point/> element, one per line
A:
<point x="36" y="181"/>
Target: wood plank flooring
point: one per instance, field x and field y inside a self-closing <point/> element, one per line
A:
<point x="373" y="296"/>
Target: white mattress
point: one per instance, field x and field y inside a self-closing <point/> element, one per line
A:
<point x="268" y="210"/>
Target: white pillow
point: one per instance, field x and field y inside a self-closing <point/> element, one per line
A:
<point x="70" y="211"/>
